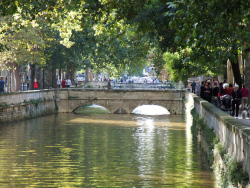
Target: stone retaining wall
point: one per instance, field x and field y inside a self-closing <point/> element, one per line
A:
<point x="26" y="96"/>
<point x="234" y="134"/>
<point x="26" y="110"/>
<point x="24" y="105"/>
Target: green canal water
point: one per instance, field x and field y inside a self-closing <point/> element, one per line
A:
<point x="72" y="150"/>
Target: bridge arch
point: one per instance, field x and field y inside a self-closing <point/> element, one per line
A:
<point x="150" y="109"/>
<point x="91" y="107"/>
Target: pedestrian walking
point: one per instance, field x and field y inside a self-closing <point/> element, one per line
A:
<point x="76" y="81"/>
<point x="236" y="94"/>
<point x="58" y="83"/>
<point x="63" y="83"/>
<point x="28" y="82"/>
<point x="2" y="83"/>
<point x="207" y="92"/>
<point x="215" y="92"/>
<point x="244" y="101"/>
<point x="68" y="83"/>
<point x="36" y="84"/>
<point x="193" y="85"/>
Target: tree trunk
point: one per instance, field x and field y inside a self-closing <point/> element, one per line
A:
<point x="9" y="81"/>
<point x="237" y="75"/>
<point x="247" y="72"/>
<point x="17" y="76"/>
<point x="87" y="74"/>
<point x="230" y="75"/>
<point x="32" y="76"/>
<point x="54" y="79"/>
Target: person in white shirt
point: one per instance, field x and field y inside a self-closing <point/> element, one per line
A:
<point x="68" y="83"/>
<point x="59" y="83"/>
<point x="76" y="82"/>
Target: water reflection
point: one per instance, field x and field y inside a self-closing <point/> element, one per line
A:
<point x="70" y="150"/>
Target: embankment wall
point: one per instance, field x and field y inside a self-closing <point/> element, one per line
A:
<point x="234" y="134"/>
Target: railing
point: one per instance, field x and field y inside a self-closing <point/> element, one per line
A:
<point x="143" y="86"/>
<point x="118" y="85"/>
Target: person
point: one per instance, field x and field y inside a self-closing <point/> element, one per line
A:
<point x="198" y="87"/>
<point x="76" y="81"/>
<point x="236" y="94"/>
<point x="36" y="85"/>
<point x="2" y="83"/>
<point x="58" y="83"/>
<point x="221" y="86"/>
<point x="244" y="92"/>
<point x="28" y="82"/>
<point x="225" y="90"/>
<point x="230" y="88"/>
<point x="193" y="86"/>
<point x="215" y="92"/>
<point x="68" y="83"/>
<point x="109" y="84"/>
<point x="207" y="92"/>
<point x="63" y="83"/>
<point x="202" y="89"/>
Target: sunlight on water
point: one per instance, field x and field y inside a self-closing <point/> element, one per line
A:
<point x="150" y="110"/>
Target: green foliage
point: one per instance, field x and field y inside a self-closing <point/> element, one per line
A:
<point x="73" y="97"/>
<point x="36" y="101"/>
<point x="211" y="40"/>
<point x="199" y="127"/>
<point x="3" y="105"/>
<point x="235" y="172"/>
<point x="220" y="149"/>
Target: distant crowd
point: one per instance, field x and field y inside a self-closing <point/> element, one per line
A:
<point x="215" y="93"/>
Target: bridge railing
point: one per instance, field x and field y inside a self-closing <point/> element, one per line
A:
<point x="143" y="86"/>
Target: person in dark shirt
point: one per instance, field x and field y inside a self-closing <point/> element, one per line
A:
<point x="236" y="94"/>
<point x="215" y="92"/>
<point x="2" y="83"/>
<point x="193" y="87"/>
<point x="207" y="92"/>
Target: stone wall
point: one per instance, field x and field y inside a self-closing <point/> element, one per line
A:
<point x="26" y="111"/>
<point x="24" y="105"/>
<point x="234" y="134"/>
<point x="26" y="96"/>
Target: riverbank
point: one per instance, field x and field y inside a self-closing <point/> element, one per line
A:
<point x="225" y="139"/>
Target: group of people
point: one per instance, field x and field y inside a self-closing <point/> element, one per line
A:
<point x="214" y="94"/>
<point x="64" y="83"/>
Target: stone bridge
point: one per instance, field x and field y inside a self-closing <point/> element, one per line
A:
<point x="119" y="101"/>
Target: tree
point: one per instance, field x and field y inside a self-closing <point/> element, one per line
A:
<point x="201" y="26"/>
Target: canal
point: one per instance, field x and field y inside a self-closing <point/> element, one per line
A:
<point x="72" y="150"/>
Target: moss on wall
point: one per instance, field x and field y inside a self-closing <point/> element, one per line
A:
<point x="228" y="171"/>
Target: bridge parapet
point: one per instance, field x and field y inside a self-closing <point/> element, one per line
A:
<point x="120" y="100"/>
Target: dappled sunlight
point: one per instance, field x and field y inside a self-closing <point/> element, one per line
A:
<point x="150" y="110"/>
